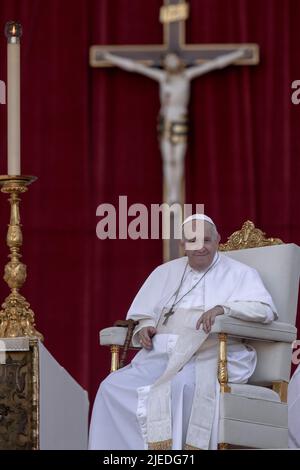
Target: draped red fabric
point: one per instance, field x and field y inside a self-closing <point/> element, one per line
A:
<point x="90" y="136"/>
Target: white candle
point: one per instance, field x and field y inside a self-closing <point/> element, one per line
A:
<point x="13" y="33"/>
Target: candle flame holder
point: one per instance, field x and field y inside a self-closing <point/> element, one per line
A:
<point x="16" y="316"/>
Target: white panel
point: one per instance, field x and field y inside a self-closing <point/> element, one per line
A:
<point x="273" y="362"/>
<point x="64" y="407"/>
<point x="235" y="406"/>
<point x="253" y="435"/>
<point x="253" y="423"/>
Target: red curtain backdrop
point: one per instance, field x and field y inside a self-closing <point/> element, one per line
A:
<point x="90" y="136"/>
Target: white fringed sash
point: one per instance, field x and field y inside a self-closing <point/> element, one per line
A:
<point x="159" y="423"/>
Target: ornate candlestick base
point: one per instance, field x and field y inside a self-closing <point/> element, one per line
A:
<point x="16" y="317"/>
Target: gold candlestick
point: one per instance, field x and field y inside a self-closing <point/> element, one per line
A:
<point x="16" y="317"/>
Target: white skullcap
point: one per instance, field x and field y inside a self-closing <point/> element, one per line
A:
<point x="190" y="233"/>
<point x="198" y="217"/>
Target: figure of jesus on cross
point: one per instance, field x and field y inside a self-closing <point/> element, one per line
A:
<point x="181" y="63"/>
<point x="174" y="83"/>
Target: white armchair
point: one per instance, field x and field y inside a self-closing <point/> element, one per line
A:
<point x="252" y="415"/>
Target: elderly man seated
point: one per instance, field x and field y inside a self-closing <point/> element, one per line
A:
<point x="168" y="397"/>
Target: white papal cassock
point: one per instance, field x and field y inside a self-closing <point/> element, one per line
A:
<point x="152" y="400"/>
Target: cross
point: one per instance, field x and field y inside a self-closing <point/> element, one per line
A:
<point x="173" y="15"/>
<point x="167" y="315"/>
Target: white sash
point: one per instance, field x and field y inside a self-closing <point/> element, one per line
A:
<point x="159" y="424"/>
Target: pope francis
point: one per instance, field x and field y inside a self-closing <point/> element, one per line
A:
<point x="168" y="397"/>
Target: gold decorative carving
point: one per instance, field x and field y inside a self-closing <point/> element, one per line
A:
<point x="248" y="237"/>
<point x="222" y="364"/>
<point x="223" y="446"/>
<point x="189" y="447"/>
<point x="226" y="446"/>
<point x="16" y="317"/>
<point x="282" y="389"/>
<point x="160" y="445"/>
<point x="34" y="348"/>
<point x="19" y="398"/>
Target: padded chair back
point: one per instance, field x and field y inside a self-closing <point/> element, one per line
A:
<point x="279" y="268"/>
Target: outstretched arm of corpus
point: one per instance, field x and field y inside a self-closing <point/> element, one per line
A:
<point x="133" y="66"/>
<point x="220" y="62"/>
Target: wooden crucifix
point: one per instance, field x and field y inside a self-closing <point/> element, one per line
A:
<point x="181" y="63"/>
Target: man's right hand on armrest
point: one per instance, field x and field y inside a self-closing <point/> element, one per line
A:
<point x="146" y="334"/>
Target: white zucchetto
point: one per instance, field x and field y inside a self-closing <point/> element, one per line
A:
<point x="198" y="217"/>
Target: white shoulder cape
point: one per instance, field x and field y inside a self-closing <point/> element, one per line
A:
<point x="228" y="281"/>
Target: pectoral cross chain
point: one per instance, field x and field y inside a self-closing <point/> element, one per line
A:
<point x="168" y="315"/>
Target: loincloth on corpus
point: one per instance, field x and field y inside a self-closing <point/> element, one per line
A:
<point x="174" y="131"/>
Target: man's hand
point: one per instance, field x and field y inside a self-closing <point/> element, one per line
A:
<point x="146" y="334"/>
<point x="208" y="318"/>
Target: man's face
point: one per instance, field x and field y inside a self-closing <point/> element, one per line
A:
<point x="202" y="235"/>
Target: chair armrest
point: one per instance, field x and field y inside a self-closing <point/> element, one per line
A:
<point x="113" y="335"/>
<point x="275" y="331"/>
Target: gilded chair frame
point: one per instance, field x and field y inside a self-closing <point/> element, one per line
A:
<point x="247" y="237"/>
